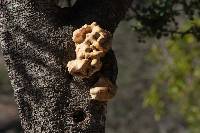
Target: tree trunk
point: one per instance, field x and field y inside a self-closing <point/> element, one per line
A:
<point x="35" y="36"/>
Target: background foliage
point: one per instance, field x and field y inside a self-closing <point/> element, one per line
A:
<point x="157" y="18"/>
<point x="176" y="88"/>
<point x="178" y="80"/>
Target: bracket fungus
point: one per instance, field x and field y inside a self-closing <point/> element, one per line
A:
<point x="92" y="43"/>
<point x="103" y="90"/>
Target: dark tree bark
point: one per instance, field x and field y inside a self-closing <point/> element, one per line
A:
<point x="35" y="36"/>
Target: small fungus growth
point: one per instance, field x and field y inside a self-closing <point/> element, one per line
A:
<point x="103" y="90"/>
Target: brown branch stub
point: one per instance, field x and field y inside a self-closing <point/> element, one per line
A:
<point x="92" y="43"/>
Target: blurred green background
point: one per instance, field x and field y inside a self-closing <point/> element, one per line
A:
<point x="9" y="122"/>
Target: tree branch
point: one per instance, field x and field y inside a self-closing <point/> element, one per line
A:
<point x="37" y="44"/>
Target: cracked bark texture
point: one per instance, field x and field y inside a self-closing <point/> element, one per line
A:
<point x="35" y="36"/>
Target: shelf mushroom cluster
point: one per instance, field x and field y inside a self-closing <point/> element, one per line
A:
<point x="92" y="43"/>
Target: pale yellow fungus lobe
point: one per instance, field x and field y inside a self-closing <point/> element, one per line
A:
<point x="92" y="43"/>
<point x="103" y="90"/>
